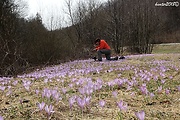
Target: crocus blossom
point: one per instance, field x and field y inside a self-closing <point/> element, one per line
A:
<point x="72" y="100"/>
<point x="37" y="92"/>
<point x="115" y="93"/>
<point x="159" y="89"/>
<point x="2" y="88"/>
<point x="64" y="90"/>
<point x="102" y="103"/>
<point x="122" y="105"/>
<point x="167" y="91"/>
<point x="49" y="109"/>
<point x="140" y="115"/>
<point x="81" y="102"/>
<point x="41" y="105"/>
<point x="15" y="83"/>
<point x="1" y="118"/>
<point x="143" y="89"/>
<point x="151" y="95"/>
<point x="27" y="84"/>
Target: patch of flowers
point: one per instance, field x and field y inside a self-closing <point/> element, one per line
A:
<point x="81" y="87"/>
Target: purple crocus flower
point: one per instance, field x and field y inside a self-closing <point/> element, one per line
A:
<point x="72" y="100"/>
<point x="71" y="85"/>
<point x="15" y="82"/>
<point x="170" y="77"/>
<point x="82" y="90"/>
<point x="129" y="88"/>
<point x="140" y="115"/>
<point x="26" y="84"/>
<point x="37" y="92"/>
<point x="53" y="92"/>
<point x="111" y="83"/>
<point x="64" y="90"/>
<point x="167" y="91"/>
<point x="9" y="92"/>
<point x="155" y="78"/>
<point x="98" y="85"/>
<point x="1" y="118"/>
<point x="89" y="91"/>
<point x="2" y="88"/>
<point x="122" y="105"/>
<point x="81" y="102"/>
<point x="163" y="81"/>
<point x="49" y="109"/>
<point x="57" y="96"/>
<point x="102" y="103"/>
<point x="151" y="95"/>
<point x="46" y="93"/>
<point x="46" y="80"/>
<point x="159" y="89"/>
<point x="41" y="105"/>
<point x="132" y="94"/>
<point x="87" y="100"/>
<point x="115" y="93"/>
<point x="143" y="89"/>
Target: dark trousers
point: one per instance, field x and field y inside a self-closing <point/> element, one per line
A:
<point x="106" y="52"/>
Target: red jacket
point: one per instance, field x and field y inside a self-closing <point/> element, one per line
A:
<point x="103" y="45"/>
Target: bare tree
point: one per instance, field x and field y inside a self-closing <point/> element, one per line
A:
<point x="116" y="24"/>
<point x="9" y="47"/>
<point x="132" y="23"/>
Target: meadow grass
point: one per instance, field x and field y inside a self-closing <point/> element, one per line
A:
<point x="167" y="48"/>
<point x="143" y="82"/>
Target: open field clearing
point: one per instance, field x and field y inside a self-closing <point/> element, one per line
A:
<point x="167" y="48"/>
<point x="85" y="89"/>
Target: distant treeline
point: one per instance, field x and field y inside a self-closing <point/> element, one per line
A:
<point x="137" y="24"/>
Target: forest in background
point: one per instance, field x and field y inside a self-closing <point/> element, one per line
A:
<point x="132" y="24"/>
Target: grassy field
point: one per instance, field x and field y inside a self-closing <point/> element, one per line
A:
<point x="138" y="87"/>
<point x="167" y="48"/>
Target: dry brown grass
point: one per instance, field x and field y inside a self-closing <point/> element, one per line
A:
<point x="21" y="104"/>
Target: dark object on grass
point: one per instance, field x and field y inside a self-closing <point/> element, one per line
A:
<point x="122" y="57"/>
<point x="165" y="102"/>
<point x="25" y="101"/>
<point x="7" y="103"/>
<point x="116" y="58"/>
<point x="153" y="103"/>
<point x="94" y="58"/>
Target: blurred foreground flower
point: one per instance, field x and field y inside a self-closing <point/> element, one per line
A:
<point x="140" y="115"/>
<point x="1" y="118"/>
<point x="2" y="88"/>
